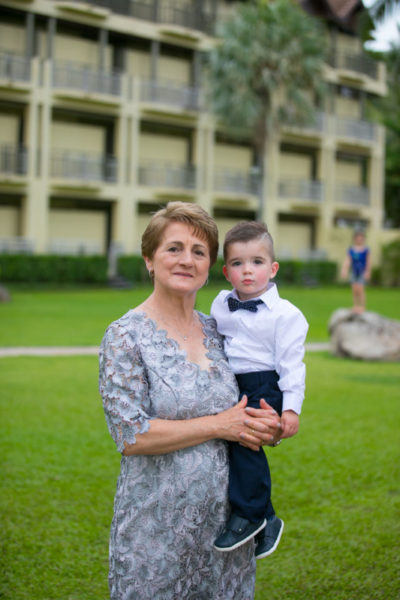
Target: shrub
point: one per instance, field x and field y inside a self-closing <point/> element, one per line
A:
<point x="391" y="264"/>
<point x="27" y="268"/>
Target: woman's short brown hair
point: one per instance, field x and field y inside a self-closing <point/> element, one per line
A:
<point x="181" y="212"/>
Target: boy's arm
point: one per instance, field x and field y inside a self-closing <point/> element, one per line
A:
<point x="290" y="338"/>
<point x="367" y="273"/>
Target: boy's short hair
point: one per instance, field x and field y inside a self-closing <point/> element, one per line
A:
<point x="245" y="231"/>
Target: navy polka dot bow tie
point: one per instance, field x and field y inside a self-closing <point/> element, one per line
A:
<point x="250" y="305"/>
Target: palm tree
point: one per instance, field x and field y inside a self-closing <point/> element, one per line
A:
<point x="267" y="70"/>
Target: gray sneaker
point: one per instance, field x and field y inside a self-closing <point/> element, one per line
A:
<point x="268" y="539"/>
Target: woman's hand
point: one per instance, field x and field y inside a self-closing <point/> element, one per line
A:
<point x="263" y="426"/>
<point x="251" y="427"/>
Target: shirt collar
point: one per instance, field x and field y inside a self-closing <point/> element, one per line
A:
<point x="270" y="297"/>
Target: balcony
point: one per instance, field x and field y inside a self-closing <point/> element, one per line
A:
<point x="179" y="96"/>
<point x="83" y="167"/>
<point x="74" y="247"/>
<point x="85" y="79"/>
<point x="14" y="68"/>
<point x="356" y="62"/>
<point x="236" y="182"/>
<point x="16" y="245"/>
<point x="167" y="175"/>
<point x="301" y="189"/>
<point x="358" y="130"/>
<point x="187" y="15"/>
<point x="353" y="194"/>
<point x="13" y="160"/>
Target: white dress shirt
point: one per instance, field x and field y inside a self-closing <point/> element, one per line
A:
<point x="270" y="339"/>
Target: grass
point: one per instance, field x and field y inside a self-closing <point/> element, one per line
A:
<point x="336" y="485"/>
<point x="79" y="317"/>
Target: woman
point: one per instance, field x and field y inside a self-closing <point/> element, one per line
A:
<point x="170" y="402"/>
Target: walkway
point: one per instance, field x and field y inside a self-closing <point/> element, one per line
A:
<point x="93" y="350"/>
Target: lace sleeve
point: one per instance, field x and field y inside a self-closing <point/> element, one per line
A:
<point x="123" y="386"/>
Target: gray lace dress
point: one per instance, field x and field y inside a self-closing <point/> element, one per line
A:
<point x="169" y="508"/>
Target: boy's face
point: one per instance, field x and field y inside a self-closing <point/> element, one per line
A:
<point x="249" y="268"/>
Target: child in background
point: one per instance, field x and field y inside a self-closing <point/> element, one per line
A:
<point x="264" y="339"/>
<point x="358" y="263"/>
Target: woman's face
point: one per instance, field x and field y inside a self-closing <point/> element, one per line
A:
<point x="181" y="261"/>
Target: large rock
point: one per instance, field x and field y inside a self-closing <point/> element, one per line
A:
<point x="366" y="336"/>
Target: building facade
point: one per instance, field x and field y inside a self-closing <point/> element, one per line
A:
<point x="103" y="119"/>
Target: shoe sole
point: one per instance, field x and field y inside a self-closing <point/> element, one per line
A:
<point x="238" y="544"/>
<point x="274" y="547"/>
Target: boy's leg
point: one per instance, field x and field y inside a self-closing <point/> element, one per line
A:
<point x="249" y="475"/>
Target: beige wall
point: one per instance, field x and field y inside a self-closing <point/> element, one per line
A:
<point x="77" y="137"/>
<point x="9" y="221"/>
<point x="347" y="107"/>
<point x="78" y="50"/>
<point x="348" y="173"/>
<point x="174" y="70"/>
<point x="157" y="147"/>
<point x="348" y="43"/>
<point x="8" y="130"/>
<point x="77" y="226"/>
<point x="292" y="238"/>
<point x="12" y="38"/>
<point x="227" y="156"/>
<point x="138" y="63"/>
<point x="295" y="166"/>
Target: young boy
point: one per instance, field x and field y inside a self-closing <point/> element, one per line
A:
<point x="264" y="341"/>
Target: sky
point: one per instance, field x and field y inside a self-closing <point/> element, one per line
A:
<point x="386" y="32"/>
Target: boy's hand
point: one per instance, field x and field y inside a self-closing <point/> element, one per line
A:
<point x="289" y="423"/>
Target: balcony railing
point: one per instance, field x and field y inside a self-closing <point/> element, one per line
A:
<point x="14" y="67"/>
<point x="67" y="164"/>
<point x="13" y="160"/>
<point x="236" y="182"/>
<point x="353" y="194"/>
<point x="159" y="11"/>
<point x="301" y="189"/>
<point x="86" y="79"/>
<point x="358" y="62"/>
<point x="74" y="247"/>
<point x="16" y="245"/>
<point x="360" y="130"/>
<point x="176" y="95"/>
<point x="167" y="175"/>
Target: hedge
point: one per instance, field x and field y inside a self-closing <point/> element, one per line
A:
<point x="390" y="265"/>
<point x="290" y="271"/>
<point x="29" y="268"/>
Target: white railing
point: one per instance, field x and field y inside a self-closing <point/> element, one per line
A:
<point x="14" y="67"/>
<point x="353" y="194"/>
<point x="13" y="160"/>
<point x="16" y="245"/>
<point x="236" y="182"/>
<point x="301" y="189"/>
<point x="190" y="15"/>
<point x="358" y="62"/>
<point x="85" y="78"/>
<point x="168" y="175"/>
<point x="166" y="92"/>
<point x="353" y="128"/>
<point x="68" y="164"/>
<point x="74" y="247"/>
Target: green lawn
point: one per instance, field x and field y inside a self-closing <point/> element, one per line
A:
<point x="80" y="317"/>
<point x="336" y="485"/>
